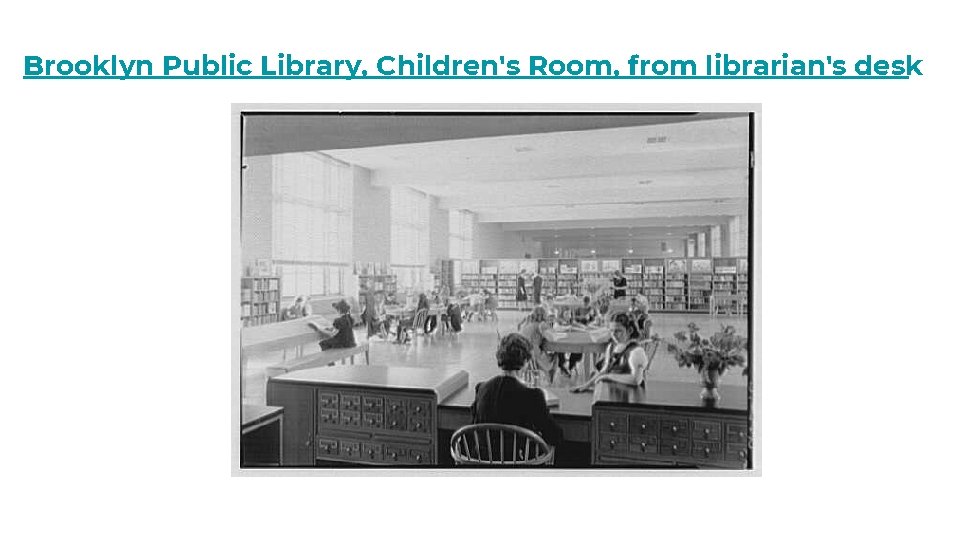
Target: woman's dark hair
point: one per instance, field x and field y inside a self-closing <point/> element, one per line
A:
<point x="629" y="322"/>
<point x="513" y="353"/>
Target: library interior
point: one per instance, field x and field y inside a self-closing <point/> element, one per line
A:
<point x="506" y="289"/>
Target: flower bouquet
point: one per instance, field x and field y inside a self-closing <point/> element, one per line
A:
<point x="711" y="357"/>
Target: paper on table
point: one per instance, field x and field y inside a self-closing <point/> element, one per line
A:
<point x="552" y="399"/>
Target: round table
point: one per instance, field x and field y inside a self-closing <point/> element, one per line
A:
<point x="576" y="342"/>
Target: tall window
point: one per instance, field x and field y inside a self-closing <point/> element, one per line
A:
<point x="410" y="235"/>
<point x="461" y="234"/>
<point x="312" y="222"/>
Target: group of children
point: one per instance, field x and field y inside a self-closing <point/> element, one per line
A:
<point x="546" y="316"/>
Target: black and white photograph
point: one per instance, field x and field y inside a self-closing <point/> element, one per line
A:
<point x="567" y="288"/>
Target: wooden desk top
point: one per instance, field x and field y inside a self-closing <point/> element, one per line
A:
<point x="671" y="395"/>
<point x="575" y="405"/>
<point x="254" y="414"/>
<point x="281" y="332"/>
<point x="442" y="382"/>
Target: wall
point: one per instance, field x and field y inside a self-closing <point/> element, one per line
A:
<point x="492" y="242"/>
<point x="256" y="216"/>
<point x="371" y="219"/>
<point x="439" y="234"/>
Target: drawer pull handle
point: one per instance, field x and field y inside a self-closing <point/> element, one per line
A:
<point x="706" y="452"/>
<point x="674" y="430"/>
<point x="743" y="454"/>
<point x="706" y="432"/>
<point x="393" y="424"/>
<point x="419" y="458"/>
<point x="643" y="427"/>
<point x="674" y="448"/>
<point x="643" y="446"/>
<point x="393" y="455"/>
<point x="372" y="453"/>
<point x="740" y="434"/>
<point x="419" y="425"/>
<point x="418" y="408"/>
<point x="613" y="443"/>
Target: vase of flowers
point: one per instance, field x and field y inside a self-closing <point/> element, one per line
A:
<point x="711" y="357"/>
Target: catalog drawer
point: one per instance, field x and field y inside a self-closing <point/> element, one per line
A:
<point x="327" y="447"/>
<point x="393" y="453"/>
<point x="372" y="420"/>
<point x="613" y="422"/>
<point x="710" y="451"/>
<point x="674" y="447"/>
<point x="418" y="407"/>
<point x="613" y="442"/>
<point x="350" y="418"/>
<point x="373" y="404"/>
<point x="372" y="452"/>
<point x="737" y="452"/>
<point x="349" y="449"/>
<point x="641" y="424"/>
<point x="349" y="402"/>
<point x="329" y="417"/>
<point x="418" y="424"/>
<point x="643" y="444"/>
<point x="329" y="400"/>
<point x="706" y="430"/>
<point x="737" y="433"/>
<point x="395" y="406"/>
<point x="674" y="427"/>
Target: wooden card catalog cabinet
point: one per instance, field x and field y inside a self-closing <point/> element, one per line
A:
<point x="667" y="424"/>
<point x="368" y="415"/>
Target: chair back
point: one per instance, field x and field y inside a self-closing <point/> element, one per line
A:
<point x="498" y="445"/>
<point x="419" y="320"/>
<point x="650" y="347"/>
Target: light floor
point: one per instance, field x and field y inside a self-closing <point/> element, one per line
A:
<point x="473" y="351"/>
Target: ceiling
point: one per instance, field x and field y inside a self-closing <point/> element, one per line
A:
<point x="611" y="176"/>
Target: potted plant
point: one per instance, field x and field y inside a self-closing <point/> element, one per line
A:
<point x="711" y="357"/>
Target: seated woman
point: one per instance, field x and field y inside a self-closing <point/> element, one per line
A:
<point x="341" y="335"/>
<point x="431" y="323"/>
<point x="533" y="328"/>
<point x="504" y="399"/>
<point x="626" y="363"/>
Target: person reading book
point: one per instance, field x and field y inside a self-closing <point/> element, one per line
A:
<point x="340" y="336"/>
<point x="505" y="399"/>
<point x="624" y="361"/>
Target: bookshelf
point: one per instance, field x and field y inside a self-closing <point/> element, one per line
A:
<point x="675" y="285"/>
<point x="567" y="277"/>
<point x="682" y="285"/>
<point x="259" y="300"/>
<point x="653" y="283"/>
<point x="725" y="285"/>
<point x="699" y="285"/>
<point x="548" y="271"/>
<point x="470" y="276"/>
<point x="633" y="271"/>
